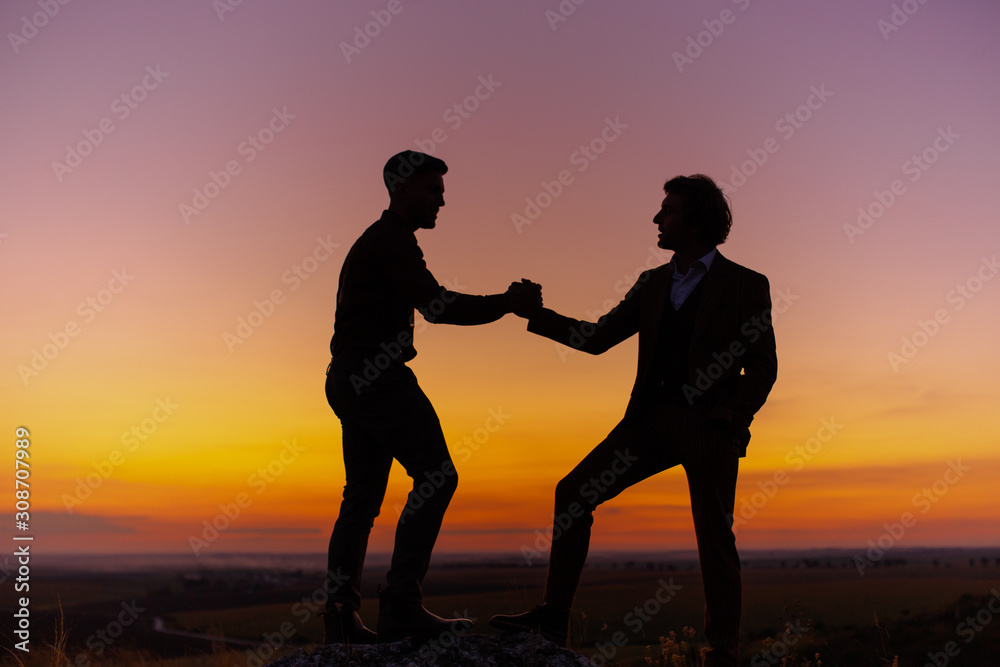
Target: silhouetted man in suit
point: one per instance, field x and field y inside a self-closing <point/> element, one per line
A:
<point x="706" y="364"/>
<point x="383" y="412"/>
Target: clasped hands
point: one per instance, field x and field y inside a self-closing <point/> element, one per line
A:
<point x="525" y="297"/>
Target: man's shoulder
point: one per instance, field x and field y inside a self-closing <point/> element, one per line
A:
<point x="737" y="270"/>
<point x="387" y="235"/>
<point x="386" y="227"/>
<point x="660" y="272"/>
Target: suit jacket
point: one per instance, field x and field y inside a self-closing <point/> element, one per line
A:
<point x="732" y="359"/>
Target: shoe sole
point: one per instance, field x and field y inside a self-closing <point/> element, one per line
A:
<point x="514" y="628"/>
<point x="419" y="636"/>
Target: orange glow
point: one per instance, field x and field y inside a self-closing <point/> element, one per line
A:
<point x="889" y="333"/>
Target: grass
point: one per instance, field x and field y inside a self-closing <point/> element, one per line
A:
<point x="846" y="620"/>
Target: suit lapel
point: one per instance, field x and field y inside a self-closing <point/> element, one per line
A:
<point x="715" y="282"/>
<point x="658" y="299"/>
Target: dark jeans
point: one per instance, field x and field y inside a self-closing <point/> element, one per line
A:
<point x="384" y="419"/>
<point x="639" y="447"/>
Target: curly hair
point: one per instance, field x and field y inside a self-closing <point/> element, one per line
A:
<point x="705" y="206"/>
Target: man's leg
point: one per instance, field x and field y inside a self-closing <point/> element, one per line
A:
<point x="367" y="467"/>
<point x="711" y="465"/>
<point x="632" y="452"/>
<point x="397" y="421"/>
<point x="423" y="453"/>
<point x="392" y="419"/>
<point x="366" y="464"/>
<point x="414" y="438"/>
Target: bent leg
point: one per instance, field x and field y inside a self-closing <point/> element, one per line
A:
<point x="632" y="452"/>
<point x="423" y="453"/>
<point x="390" y="418"/>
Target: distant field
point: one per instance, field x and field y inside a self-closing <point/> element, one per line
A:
<point x="918" y="604"/>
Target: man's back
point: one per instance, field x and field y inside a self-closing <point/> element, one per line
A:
<point x="384" y="276"/>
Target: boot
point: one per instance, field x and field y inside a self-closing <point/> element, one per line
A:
<point x="402" y="616"/>
<point x="717" y="658"/>
<point x="344" y="626"/>
<point x="550" y="622"/>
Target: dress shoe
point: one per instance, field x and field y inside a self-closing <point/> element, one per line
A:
<point x="716" y="658"/>
<point x="548" y="621"/>
<point x="402" y="616"/>
<point x="344" y="626"/>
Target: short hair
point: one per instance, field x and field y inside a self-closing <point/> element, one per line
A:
<point x="403" y="165"/>
<point x="705" y="206"/>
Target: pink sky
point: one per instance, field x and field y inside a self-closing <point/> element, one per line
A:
<point x="839" y="112"/>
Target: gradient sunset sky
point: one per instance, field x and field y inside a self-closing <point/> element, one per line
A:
<point x="170" y="168"/>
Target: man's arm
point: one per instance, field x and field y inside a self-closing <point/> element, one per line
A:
<point x="620" y="323"/>
<point x="760" y="363"/>
<point x="407" y="269"/>
<point x="443" y="306"/>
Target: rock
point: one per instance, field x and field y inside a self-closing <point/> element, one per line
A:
<point x="513" y="650"/>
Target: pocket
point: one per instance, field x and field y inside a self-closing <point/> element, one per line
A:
<point x="728" y="437"/>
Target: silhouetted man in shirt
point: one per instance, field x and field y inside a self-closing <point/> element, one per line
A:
<point x="383" y="412"/>
<point x="706" y="364"/>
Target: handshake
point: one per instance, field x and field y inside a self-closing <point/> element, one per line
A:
<point x="525" y="298"/>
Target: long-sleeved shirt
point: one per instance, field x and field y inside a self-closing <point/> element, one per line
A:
<point x="383" y="279"/>
<point x="682" y="284"/>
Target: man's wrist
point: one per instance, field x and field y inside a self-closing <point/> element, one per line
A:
<point x="508" y="302"/>
<point x="742" y="419"/>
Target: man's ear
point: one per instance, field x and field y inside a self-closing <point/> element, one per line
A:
<point x="398" y="185"/>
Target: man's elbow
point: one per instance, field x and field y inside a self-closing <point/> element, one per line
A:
<point x="598" y="347"/>
<point x="438" y="309"/>
<point x="586" y="337"/>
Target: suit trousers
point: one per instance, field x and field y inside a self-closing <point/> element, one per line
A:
<point x="646" y="442"/>
<point x="384" y="419"/>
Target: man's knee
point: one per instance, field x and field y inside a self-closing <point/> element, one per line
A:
<point x="357" y="516"/>
<point x="568" y="494"/>
<point x="450" y="483"/>
<point x="363" y="496"/>
<point x="437" y="484"/>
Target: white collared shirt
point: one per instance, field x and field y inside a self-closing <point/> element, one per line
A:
<point x="682" y="284"/>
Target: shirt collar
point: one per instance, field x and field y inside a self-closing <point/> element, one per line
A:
<point x="395" y="219"/>
<point x="705" y="260"/>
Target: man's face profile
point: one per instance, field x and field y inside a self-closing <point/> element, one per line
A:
<point x="674" y="230"/>
<point x="422" y="195"/>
